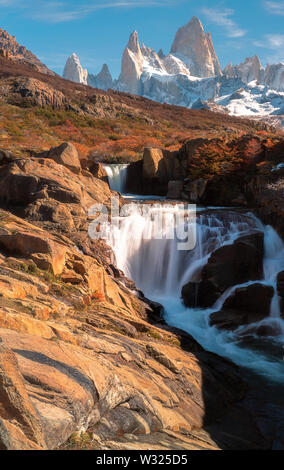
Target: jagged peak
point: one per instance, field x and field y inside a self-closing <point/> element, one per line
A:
<point x="133" y="43"/>
<point x="105" y="68"/>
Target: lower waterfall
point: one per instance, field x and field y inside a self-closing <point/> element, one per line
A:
<point x="160" y="271"/>
<point x="117" y="174"/>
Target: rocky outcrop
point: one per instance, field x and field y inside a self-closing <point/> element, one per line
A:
<point x="246" y="305"/>
<point x="38" y="93"/>
<point x="228" y="266"/>
<point x="49" y="192"/>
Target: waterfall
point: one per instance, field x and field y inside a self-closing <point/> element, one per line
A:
<point x="117" y="175"/>
<point x="160" y="270"/>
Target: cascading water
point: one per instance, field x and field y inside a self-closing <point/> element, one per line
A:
<point x="160" y="270"/>
<point x="117" y="174"/>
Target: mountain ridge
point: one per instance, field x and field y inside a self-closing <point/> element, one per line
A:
<point x="191" y="73"/>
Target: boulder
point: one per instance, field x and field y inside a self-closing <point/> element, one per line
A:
<point x="246" y="305"/>
<point x="199" y="294"/>
<point x="237" y="263"/>
<point x="97" y="170"/>
<point x="228" y="266"/>
<point x="66" y="154"/>
<point x="155" y="178"/>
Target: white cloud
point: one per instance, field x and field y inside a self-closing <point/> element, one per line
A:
<point x="275" y="8"/>
<point x="223" y="18"/>
<point x="58" y="12"/>
<point x="271" y="41"/>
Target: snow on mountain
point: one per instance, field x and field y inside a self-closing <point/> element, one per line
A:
<point x="191" y="76"/>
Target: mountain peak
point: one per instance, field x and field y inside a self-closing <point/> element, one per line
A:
<point x="193" y="44"/>
<point x="133" y="43"/>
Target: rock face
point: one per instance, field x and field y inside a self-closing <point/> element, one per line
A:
<point x="246" y="305"/>
<point x="14" y="51"/>
<point x="74" y="71"/>
<point x="196" y="49"/>
<point x="228" y="266"/>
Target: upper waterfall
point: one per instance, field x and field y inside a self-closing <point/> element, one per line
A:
<point x="117" y="174"/>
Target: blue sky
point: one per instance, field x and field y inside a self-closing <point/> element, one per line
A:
<point x="98" y="30"/>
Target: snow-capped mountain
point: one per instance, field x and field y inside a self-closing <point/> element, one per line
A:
<point x="190" y="75"/>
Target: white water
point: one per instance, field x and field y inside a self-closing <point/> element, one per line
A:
<point x="160" y="271"/>
<point x="117" y="174"/>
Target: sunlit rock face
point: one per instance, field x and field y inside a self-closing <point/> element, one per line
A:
<point x="196" y="49"/>
<point x="74" y="71"/>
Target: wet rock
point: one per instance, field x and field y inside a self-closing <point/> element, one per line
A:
<point x="199" y="294"/>
<point x="246" y="305"/>
<point x="237" y="263"/>
<point x="228" y="266"/>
